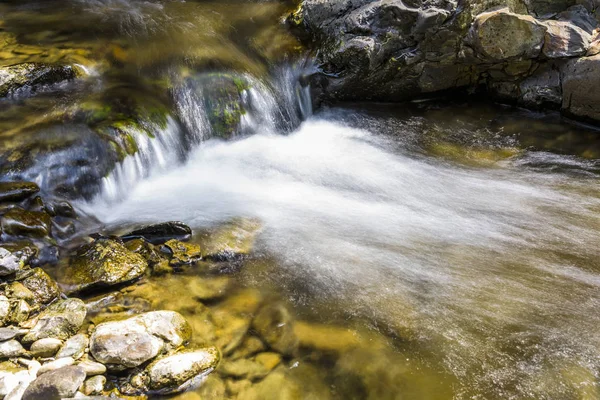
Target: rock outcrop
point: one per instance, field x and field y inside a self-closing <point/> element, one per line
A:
<point x="531" y="53"/>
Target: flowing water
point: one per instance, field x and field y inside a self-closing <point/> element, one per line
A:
<point x="464" y="236"/>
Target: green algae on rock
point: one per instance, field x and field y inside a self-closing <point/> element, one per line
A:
<point x="104" y="262"/>
<point x="60" y="320"/>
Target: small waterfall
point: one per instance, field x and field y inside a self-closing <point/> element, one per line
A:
<point x="157" y="149"/>
<point x="210" y="106"/>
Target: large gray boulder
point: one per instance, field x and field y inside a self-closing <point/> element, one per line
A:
<point x="397" y="50"/>
<point x="581" y="87"/>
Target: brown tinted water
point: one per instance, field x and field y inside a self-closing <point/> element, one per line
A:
<point x="425" y="251"/>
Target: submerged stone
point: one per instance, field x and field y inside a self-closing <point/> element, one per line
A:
<point x="17" y="191"/>
<point x="104" y="262"/>
<point x="19" y="222"/>
<point x="275" y="325"/>
<point x="161" y="233"/>
<point x="230" y="240"/>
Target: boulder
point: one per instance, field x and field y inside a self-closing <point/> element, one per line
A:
<point x="19" y="222"/>
<point x="131" y="342"/>
<point x="501" y="35"/>
<point x="563" y="39"/>
<point x="581" y="87"/>
<point x="60" y="320"/>
<point x="160" y="233"/>
<point x="181" y="371"/>
<point x="102" y="263"/>
<point x="17" y="191"/>
<point x="56" y="385"/>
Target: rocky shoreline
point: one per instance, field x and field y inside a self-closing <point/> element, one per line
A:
<point x="537" y="54"/>
<point x="147" y="313"/>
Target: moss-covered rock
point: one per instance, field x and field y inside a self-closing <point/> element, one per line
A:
<point x="17" y="191"/>
<point x="104" y="262"/>
<point x="22" y="223"/>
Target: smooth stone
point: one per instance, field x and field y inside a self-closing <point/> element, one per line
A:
<point x="131" y="342"/>
<point x="182" y="370"/>
<point x="17" y="191"/>
<point x="19" y="222"/>
<point x="45" y="347"/>
<point x="55" y="385"/>
<point x="74" y="346"/>
<point x="56" y="364"/>
<point x="43" y="287"/>
<point x="64" y="209"/>
<point x="102" y="263"/>
<point x="161" y="233"/>
<point x="60" y="320"/>
<point x="92" y="368"/>
<point x="10" y="349"/>
<point x="93" y="385"/>
<point x="28" y="77"/>
<point x="10" y="332"/>
<point x="275" y="325"/>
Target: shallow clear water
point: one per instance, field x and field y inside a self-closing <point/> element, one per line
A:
<point x="490" y="273"/>
<point x="464" y="237"/>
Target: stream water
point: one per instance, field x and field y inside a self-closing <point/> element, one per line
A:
<point x="463" y="235"/>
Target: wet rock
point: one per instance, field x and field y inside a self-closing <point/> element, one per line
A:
<point x="161" y="233"/>
<point x="57" y="384"/>
<point x="275" y="325"/>
<point x="28" y="78"/>
<point x="500" y="35"/>
<point x="16" y="290"/>
<point x="42" y="286"/>
<point x="60" y="320"/>
<point x="92" y="368"/>
<point x="564" y="39"/>
<point x="231" y="240"/>
<point x="93" y="385"/>
<point x="131" y="342"/>
<point x="68" y="160"/>
<point x="64" y="209"/>
<point x="257" y="368"/>
<point x="148" y="251"/>
<point x="182" y="370"/>
<point x="103" y="262"/>
<point x="45" y="347"/>
<point x="19" y="222"/>
<point x="276" y="385"/>
<point x="182" y="253"/>
<point x="74" y="347"/>
<point x="10" y="349"/>
<point x="213" y="387"/>
<point x="17" y="191"/>
<point x="249" y="346"/>
<point x="56" y="364"/>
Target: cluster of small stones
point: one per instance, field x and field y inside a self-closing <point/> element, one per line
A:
<point x="118" y="337"/>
